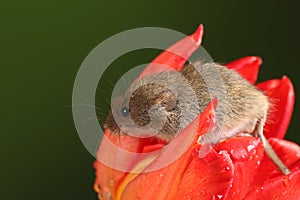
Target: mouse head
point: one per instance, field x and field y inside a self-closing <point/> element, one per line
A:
<point x="148" y="108"/>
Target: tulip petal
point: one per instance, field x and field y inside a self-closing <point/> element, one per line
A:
<point x="203" y="175"/>
<point x="116" y="150"/>
<point x="176" y="55"/>
<point x="247" y="67"/>
<point x="288" y="152"/>
<point x="282" y="97"/>
<point x="188" y="177"/>
<point x="246" y="154"/>
<point x="281" y="188"/>
<point x="269" y="182"/>
<point x="185" y="175"/>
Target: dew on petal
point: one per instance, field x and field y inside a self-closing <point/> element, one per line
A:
<point x="258" y="162"/>
<point x="187" y="197"/>
<point x="284" y="193"/>
<point x="250" y="147"/>
<point x="106" y="194"/>
<point x="218" y="196"/>
<point x="259" y="190"/>
<point x="233" y="194"/>
<point x="112" y="182"/>
<point x="239" y="153"/>
<point x="202" y="192"/>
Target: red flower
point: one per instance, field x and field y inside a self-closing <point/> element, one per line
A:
<point x="236" y="168"/>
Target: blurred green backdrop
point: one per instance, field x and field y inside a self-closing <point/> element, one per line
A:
<point x="43" y="44"/>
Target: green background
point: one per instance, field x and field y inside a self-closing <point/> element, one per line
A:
<point x="43" y="44"/>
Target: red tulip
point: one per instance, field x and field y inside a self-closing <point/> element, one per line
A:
<point x="236" y="168"/>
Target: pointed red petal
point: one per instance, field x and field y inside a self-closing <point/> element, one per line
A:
<point x="246" y="153"/>
<point x="189" y="176"/>
<point x="176" y="55"/>
<point x="116" y="156"/>
<point x="119" y="155"/>
<point x="269" y="182"/>
<point x="208" y="119"/>
<point x="185" y="175"/>
<point x="288" y="152"/>
<point x="279" y="188"/>
<point x="107" y="177"/>
<point x="247" y="67"/>
<point x="203" y="175"/>
<point x="282" y="97"/>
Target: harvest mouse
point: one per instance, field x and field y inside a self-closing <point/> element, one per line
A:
<point x="163" y="104"/>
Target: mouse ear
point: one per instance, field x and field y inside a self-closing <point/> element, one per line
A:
<point x="174" y="57"/>
<point x="166" y="99"/>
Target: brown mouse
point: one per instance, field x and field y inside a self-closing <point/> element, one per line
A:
<point x="163" y="104"/>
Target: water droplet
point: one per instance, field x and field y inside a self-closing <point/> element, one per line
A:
<point x="202" y="192"/>
<point x="239" y="153"/>
<point x="259" y="190"/>
<point x="284" y="193"/>
<point x="187" y="197"/>
<point x="107" y="194"/>
<point x="233" y="194"/>
<point x="218" y="196"/>
<point x="250" y="147"/>
<point x="112" y="182"/>
<point x="258" y="162"/>
<point x="227" y="168"/>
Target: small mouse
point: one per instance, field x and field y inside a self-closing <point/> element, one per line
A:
<point x="163" y="104"/>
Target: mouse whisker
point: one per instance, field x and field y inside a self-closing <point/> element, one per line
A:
<point x="89" y="118"/>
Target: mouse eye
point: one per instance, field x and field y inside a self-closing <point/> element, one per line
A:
<point x="125" y="111"/>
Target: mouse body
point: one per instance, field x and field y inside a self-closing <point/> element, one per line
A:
<point x="175" y="99"/>
<point x="163" y="104"/>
